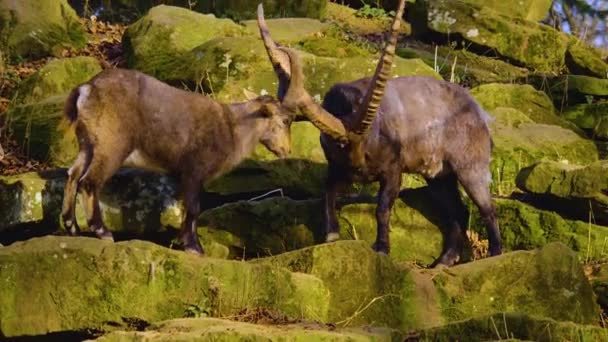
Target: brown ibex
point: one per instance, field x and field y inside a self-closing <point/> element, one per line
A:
<point x="375" y="129"/>
<point x="125" y="117"/>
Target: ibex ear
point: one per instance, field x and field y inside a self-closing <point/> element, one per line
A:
<point x="249" y="95"/>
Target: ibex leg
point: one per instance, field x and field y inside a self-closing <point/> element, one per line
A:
<point x="477" y="186"/>
<point x="334" y="184"/>
<point x="444" y="191"/>
<point x="190" y="188"/>
<point x="389" y="190"/>
<point x="70" y="192"/>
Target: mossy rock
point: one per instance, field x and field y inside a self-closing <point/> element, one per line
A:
<point x="524" y="227"/>
<point x="49" y="285"/>
<point x="591" y="117"/>
<point x="583" y="59"/>
<point x="41" y="130"/>
<point x="166" y="32"/>
<point x="599" y="281"/>
<point x="355" y="275"/>
<point x="288" y="30"/>
<point x="346" y="17"/>
<point x="578" y="191"/>
<point x="470" y="70"/>
<point x="254" y="72"/>
<point x="535" y="104"/>
<point x="587" y="85"/>
<point x="532" y="10"/>
<point x="535" y="46"/>
<point x="220" y="330"/>
<point x="514" y="327"/>
<point x="539" y="283"/>
<point x="246" y="9"/>
<point x="519" y="143"/>
<point x="57" y="77"/>
<point x="37" y="28"/>
<point x="565" y="180"/>
<point x="301" y="175"/>
<point x="536" y="283"/>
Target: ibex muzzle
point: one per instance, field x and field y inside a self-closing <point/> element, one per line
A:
<point x="402" y="125"/>
<point x="124" y="117"/>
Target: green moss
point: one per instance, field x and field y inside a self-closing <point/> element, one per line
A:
<point x="50" y="283"/>
<point x="245" y="9"/>
<point x="23" y="197"/>
<point x="288" y="30"/>
<point x="57" y="77"/>
<point x="155" y="41"/>
<point x="224" y="330"/>
<point x="517" y="327"/>
<point x="535" y="104"/>
<point x="585" y="60"/>
<point x="564" y="180"/>
<point x="590" y="117"/>
<point x="535" y="46"/>
<point x="269" y="227"/>
<point x="36" y="126"/>
<point x="532" y="10"/>
<point x="525" y="227"/>
<point x="356" y="284"/>
<point x="587" y="85"/>
<point x="39" y="28"/>
<point x="330" y="47"/>
<point x="546" y="281"/>
<point x="519" y="143"/>
<point x="345" y="17"/>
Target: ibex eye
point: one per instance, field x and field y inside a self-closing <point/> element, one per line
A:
<point x="286" y="121"/>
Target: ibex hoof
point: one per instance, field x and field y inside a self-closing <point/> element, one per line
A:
<point x="194" y="250"/>
<point x="331" y="237"/>
<point x="447" y="259"/>
<point x="71" y="228"/>
<point x="381" y="248"/>
<point x="104" y="234"/>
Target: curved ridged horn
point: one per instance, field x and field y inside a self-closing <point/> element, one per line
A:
<point x="279" y="60"/>
<point x="297" y="96"/>
<point x="369" y="107"/>
<point x="291" y="92"/>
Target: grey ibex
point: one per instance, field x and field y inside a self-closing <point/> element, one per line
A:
<point x="375" y="129"/>
<point x="125" y="117"/>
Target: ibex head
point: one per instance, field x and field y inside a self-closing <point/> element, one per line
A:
<point x="352" y="129"/>
<point x="277" y="136"/>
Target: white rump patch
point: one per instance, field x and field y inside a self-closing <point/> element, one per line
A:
<point x="84" y="92"/>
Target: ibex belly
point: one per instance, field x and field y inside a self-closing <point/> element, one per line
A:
<point x="139" y="159"/>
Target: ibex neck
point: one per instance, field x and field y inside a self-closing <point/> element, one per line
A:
<point x="247" y="129"/>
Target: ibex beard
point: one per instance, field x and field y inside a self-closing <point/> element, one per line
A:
<point x="124" y="117"/>
<point x="375" y="129"/>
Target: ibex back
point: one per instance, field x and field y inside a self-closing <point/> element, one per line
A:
<point x="125" y="117"/>
<point x="375" y="129"/>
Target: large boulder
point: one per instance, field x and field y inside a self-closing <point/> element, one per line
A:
<point x="514" y="327"/>
<point x="234" y="9"/>
<point x="591" y="117"/>
<point x="536" y="46"/>
<point x="50" y="285"/>
<point x="213" y="329"/>
<point x="537" y="283"/>
<point x="39" y="128"/>
<point x="37" y="116"/>
<point x="535" y="104"/>
<point x="470" y="69"/>
<point x="575" y="190"/>
<point x="57" y="77"/>
<point x="36" y="28"/>
<point x="519" y="142"/>
<point x="532" y="10"/>
<point x="525" y="227"/>
<point x="167" y="32"/>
